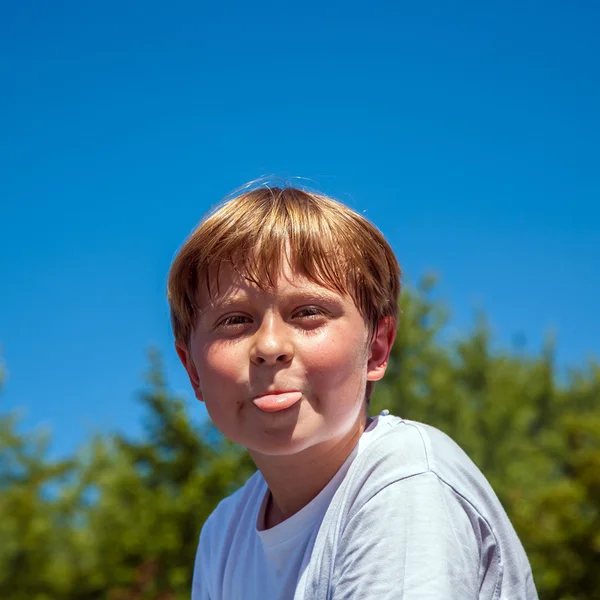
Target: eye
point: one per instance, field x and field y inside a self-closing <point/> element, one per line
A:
<point x="309" y="312"/>
<point x="233" y="321"/>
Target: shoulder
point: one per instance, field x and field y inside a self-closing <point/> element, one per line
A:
<point x="442" y="456"/>
<point x="228" y="525"/>
<point x="409" y="466"/>
<point x="232" y="511"/>
<point x="417" y="477"/>
<point x="402" y="448"/>
<point x="231" y="525"/>
<point x="394" y="451"/>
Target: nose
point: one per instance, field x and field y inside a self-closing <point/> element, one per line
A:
<point x="272" y="343"/>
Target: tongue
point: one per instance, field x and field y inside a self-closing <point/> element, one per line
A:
<point x="276" y="402"/>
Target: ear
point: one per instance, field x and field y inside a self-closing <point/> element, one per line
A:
<point x="188" y="364"/>
<point x="380" y="348"/>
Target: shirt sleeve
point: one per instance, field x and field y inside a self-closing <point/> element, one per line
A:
<point x="200" y="582"/>
<point x="413" y="540"/>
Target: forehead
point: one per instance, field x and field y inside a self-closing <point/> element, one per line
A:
<point x="229" y="282"/>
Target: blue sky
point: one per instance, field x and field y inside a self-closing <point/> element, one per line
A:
<point x="468" y="132"/>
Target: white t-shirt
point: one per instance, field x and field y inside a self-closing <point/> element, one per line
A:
<point x="407" y="516"/>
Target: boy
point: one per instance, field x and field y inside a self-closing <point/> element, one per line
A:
<point x="284" y="307"/>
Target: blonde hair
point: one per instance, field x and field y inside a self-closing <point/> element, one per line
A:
<point x="253" y="233"/>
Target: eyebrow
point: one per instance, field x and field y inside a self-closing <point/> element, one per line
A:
<point x="295" y="296"/>
<point x="317" y="294"/>
<point x="225" y="302"/>
<point x="216" y="304"/>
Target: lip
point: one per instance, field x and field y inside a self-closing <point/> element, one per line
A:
<point x="277" y="400"/>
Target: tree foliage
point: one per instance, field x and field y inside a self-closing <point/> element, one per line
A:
<point x="120" y="519"/>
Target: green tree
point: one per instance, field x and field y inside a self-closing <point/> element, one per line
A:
<point x="153" y="496"/>
<point x="120" y="519"/>
<point x="537" y="441"/>
<point x="33" y="524"/>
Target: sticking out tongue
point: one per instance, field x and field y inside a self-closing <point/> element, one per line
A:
<point x="277" y="402"/>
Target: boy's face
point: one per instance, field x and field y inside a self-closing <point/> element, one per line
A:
<point x="285" y="370"/>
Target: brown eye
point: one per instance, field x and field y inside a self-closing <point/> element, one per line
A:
<point x="309" y="312"/>
<point x="234" y="320"/>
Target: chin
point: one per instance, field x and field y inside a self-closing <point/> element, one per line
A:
<point x="278" y="442"/>
<point x="280" y="445"/>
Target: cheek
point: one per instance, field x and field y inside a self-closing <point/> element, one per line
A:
<point x="337" y="359"/>
<point x="219" y="365"/>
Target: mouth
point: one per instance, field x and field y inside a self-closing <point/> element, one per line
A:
<point x="277" y="401"/>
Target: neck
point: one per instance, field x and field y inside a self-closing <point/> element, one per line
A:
<point x="295" y="480"/>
